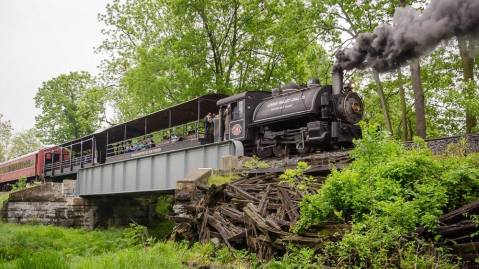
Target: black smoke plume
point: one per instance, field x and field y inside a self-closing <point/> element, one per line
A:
<point x="411" y="35"/>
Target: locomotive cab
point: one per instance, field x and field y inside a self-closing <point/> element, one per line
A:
<point x="236" y="114"/>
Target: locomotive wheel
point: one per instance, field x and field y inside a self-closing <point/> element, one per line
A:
<point x="264" y="153"/>
<point x="305" y="150"/>
<point x="280" y="150"/>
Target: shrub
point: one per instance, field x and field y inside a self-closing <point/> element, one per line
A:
<point x="297" y="177"/>
<point x="137" y="235"/>
<point x="20" y="184"/>
<point x="217" y="179"/>
<point x="255" y="163"/>
<point x="385" y="194"/>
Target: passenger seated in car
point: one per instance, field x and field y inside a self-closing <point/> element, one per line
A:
<point x="130" y="147"/>
<point x="150" y="143"/>
<point x="175" y="138"/>
<point x="141" y="145"/>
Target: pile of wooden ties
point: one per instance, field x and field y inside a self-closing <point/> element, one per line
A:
<point x="254" y="213"/>
<point x="460" y="229"/>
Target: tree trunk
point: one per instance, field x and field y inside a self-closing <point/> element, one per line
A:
<point x="384" y="105"/>
<point x="402" y="97"/>
<point x="419" y="104"/>
<point x="468" y="73"/>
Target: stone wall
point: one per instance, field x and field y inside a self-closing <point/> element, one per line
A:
<point x="55" y="204"/>
<point x="49" y="203"/>
<point x="74" y="212"/>
<point x="440" y="145"/>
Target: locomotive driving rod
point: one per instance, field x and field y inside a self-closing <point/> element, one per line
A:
<point x="338" y="74"/>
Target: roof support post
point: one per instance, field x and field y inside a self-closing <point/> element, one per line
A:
<point x="81" y="154"/>
<point x="44" y="163"/>
<point x="61" y="159"/>
<point x="93" y="151"/>
<point x="107" y="141"/>
<point x="198" y="122"/>
<point x="71" y="157"/>
<point x="169" y="125"/>
<point x="53" y="157"/>
<point x="146" y="126"/>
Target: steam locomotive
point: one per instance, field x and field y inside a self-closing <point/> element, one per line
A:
<point x="292" y="119"/>
<point x="288" y="120"/>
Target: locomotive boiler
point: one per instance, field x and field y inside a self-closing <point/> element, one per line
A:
<point x="293" y="119"/>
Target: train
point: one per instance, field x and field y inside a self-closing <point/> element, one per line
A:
<point x="291" y="119"/>
<point x="29" y="166"/>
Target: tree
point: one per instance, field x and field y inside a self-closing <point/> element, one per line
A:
<point x="5" y="134"/>
<point x="163" y="52"/>
<point x="351" y="19"/>
<point x="71" y="105"/>
<point x="402" y="94"/>
<point x="468" y="62"/>
<point x="384" y="104"/>
<point x="419" y="102"/>
<point x="23" y="142"/>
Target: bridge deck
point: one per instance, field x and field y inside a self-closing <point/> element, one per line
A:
<point x="152" y="173"/>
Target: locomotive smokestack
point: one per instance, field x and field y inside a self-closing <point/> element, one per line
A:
<point x="338" y="74"/>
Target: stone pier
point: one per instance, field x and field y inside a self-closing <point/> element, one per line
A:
<point x="55" y="204"/>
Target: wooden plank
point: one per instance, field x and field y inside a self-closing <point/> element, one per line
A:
<point x="458" y="214"/>
<point x="219" y="228"/>
<point x="461" y="228"/>
<point x="290" y="209"/>
<point x="203" y="233"/>
<point x="252" y="212"/>
<point x="263" y="203"/>
<point x="242" y="193"/>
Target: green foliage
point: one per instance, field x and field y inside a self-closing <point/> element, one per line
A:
<point x="255" y="163"/>
<point x="457" y="149"/>
<point x="385" y="194"/>
<point x="3" y="198"/>
<point x="217" y="179"/>
<point x="137" y="235"/>
<point x="20" y="184"/>
<point x="5" y="134"/>
<point x="23" y="142"/>
<point x="71" y="106"/>
<point x="164" y="205"/>
<point x="28" y="246"/>
<point x="164" y="52"/>
<point x="301" y="258"/>
<point x="43" y="259"/>
<point x="296" y="177"/>
<point x="20" y="241"/>
<point x="162" y="225"/>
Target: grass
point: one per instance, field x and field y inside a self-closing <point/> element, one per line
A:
<point x="36" y="246"/>
<point x="3" y="197"/>
<point x="217" y="179"/>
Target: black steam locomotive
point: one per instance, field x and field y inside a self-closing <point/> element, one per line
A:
<point x="292" y="119"/>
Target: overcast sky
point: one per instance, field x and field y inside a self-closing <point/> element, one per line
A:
<point x="40" y="39"/>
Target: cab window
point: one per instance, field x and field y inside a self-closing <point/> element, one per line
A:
<point x="238" y="110"/>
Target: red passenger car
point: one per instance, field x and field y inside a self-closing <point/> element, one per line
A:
<point x="30" y="166"/>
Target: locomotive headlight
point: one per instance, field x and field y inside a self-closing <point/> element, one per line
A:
<point x="356" y="107"/>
